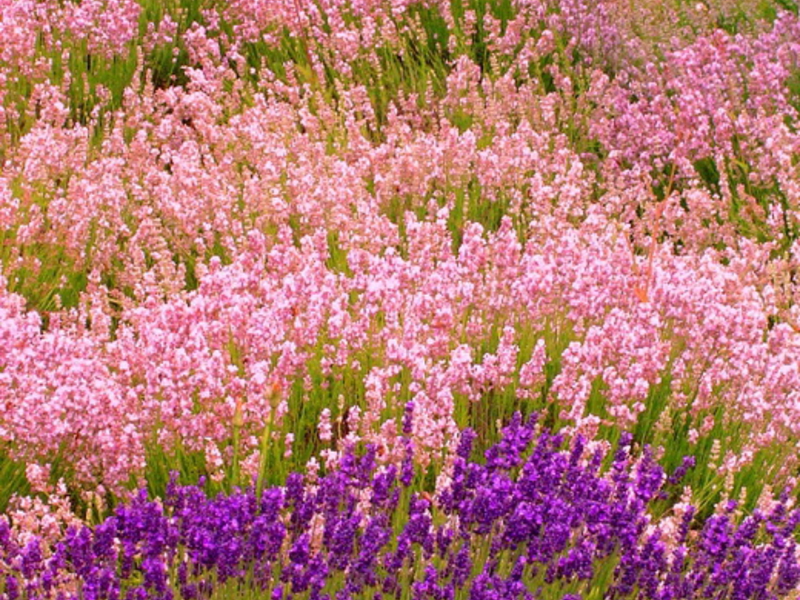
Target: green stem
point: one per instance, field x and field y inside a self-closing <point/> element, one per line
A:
<point x="262" y="463"/>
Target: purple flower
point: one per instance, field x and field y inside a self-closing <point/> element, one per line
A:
<point x="408" y="418"/>
<point x="301" y="550"/>
<point x="465" y="441"/>
<point x="407" y="467"/>
<point x="12" y="587"/>
<point x="551" y="515"/>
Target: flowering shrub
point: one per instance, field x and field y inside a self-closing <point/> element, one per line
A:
<point x="239" y="239"/>
<point x="232" y="354"/>
<point x="534" y="519"/>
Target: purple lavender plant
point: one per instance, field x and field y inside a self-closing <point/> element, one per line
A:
<point x="537" y="519"/>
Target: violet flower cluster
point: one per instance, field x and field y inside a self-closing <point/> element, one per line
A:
<point x="536" y="518"/>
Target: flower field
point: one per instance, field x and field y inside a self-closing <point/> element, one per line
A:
<point x="413" y="299"/>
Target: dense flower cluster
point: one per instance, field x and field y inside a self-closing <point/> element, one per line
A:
<point x="243" y="238"/>
<point x="531" y="520"/>
<point x="181" y="369"/>
<point x="195" y="238"/>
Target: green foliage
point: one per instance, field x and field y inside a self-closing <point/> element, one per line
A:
<point x="12" y="480"/>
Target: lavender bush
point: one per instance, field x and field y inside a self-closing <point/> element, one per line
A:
<point x="536" y="518"/>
